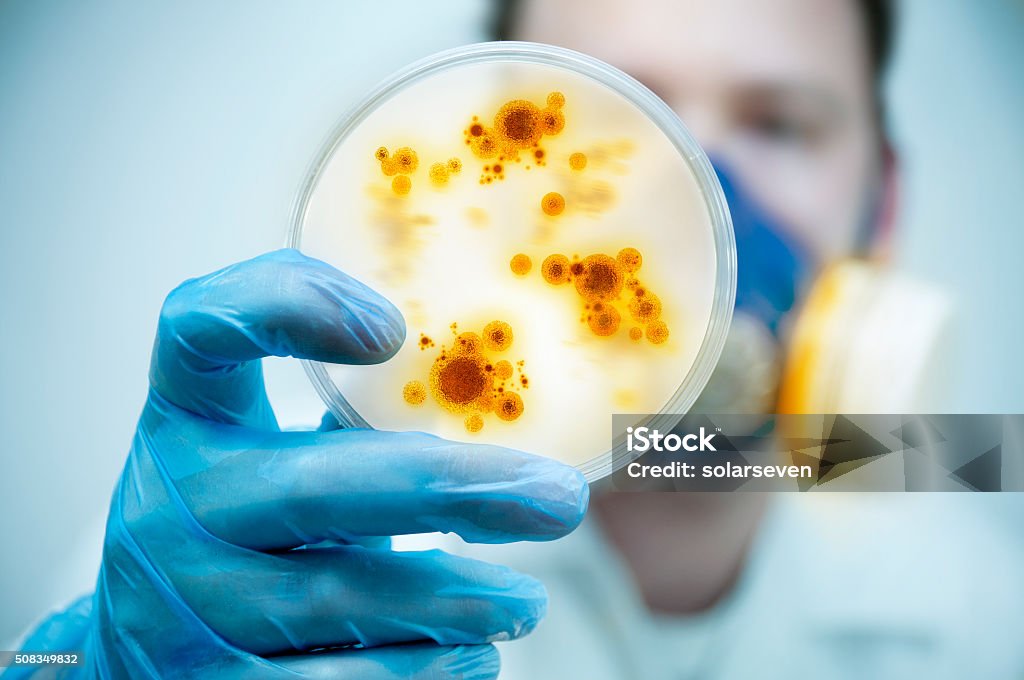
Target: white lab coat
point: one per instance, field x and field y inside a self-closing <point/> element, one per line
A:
<point x="836" y="586"/>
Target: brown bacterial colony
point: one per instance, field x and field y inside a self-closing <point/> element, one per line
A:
<point x="466" y="380"/>
<point x="608" y="288"/>
<point x="497" y="336"/>
<point x="517" y="131"/>
<point x="603" y="319"/>
<point x="555" y="269"/>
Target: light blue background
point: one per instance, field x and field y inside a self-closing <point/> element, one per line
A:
<point x="144" y="143"/>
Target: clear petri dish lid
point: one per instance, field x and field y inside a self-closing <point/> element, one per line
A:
<point x="558" y="244"/>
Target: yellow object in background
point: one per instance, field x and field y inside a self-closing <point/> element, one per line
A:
<point x="866" y="341"/>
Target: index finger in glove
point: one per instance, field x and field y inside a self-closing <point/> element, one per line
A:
<point x="213" y="329"/>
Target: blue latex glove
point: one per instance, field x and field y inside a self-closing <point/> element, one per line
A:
<point x="771" y="266"/>
<point x="204" y="571"/>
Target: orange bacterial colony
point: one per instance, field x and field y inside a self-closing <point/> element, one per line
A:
<point x="515" y="134"/>
<point x="606" y="285"/>
<point x="518" y="126"/>
<point x="553" y="203"/>
<point x="465" y="379"/>
<point x="521" y="264"/>
<point x="404" y="162"/>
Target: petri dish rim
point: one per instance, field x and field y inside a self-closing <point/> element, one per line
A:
<point x="651" y="106"/>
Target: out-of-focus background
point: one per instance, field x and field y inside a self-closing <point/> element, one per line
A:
<point x="145" y="143"/>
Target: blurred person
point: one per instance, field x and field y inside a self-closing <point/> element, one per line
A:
<point x="786" y="99"/>
<point x="205" y="568"/>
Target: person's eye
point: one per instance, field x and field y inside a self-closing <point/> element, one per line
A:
<point x="780" y="127"/>
<point x="777" y="127"/>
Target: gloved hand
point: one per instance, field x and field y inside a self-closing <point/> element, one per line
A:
<point x="206" y="567"/>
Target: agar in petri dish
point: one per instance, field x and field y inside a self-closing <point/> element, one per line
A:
<point x="445" y="188"/>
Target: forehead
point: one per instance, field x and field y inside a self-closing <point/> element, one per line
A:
<point x="698" y="42"/>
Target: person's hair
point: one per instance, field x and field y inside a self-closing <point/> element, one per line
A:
<point x="879" y="19"/>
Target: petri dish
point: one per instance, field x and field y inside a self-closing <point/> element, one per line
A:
<point x="557" y="241"/>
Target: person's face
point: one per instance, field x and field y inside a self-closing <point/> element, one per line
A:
<point x="779" y="91"/>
